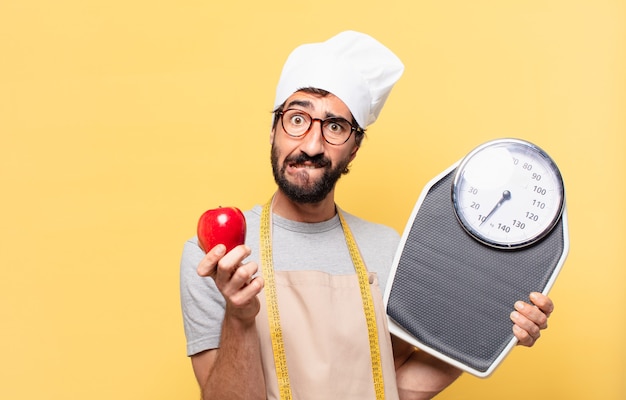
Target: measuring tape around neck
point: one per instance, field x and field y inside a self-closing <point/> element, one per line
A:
<point x="278" y="345"/>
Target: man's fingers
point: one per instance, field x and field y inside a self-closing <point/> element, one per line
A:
<point x="530" y="319"/>
<point x="207" y="266"/>
<point x="230" y="278"/>
<point x="523" y="337"/>
<point x="533" y="314"/>
<point x="249" y="291"/>
<point x="526" y="330"/>
<point x="543" y="302"/>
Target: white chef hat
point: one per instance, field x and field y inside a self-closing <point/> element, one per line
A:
<point x="353" y="66"/>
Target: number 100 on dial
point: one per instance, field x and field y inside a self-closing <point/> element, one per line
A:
<point x="508" y="193"/>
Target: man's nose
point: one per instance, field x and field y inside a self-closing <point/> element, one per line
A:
<point x="313" y="141"/>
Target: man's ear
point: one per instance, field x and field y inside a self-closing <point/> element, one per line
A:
<point x="272" y="136"/>
<point x="353" y="153"/>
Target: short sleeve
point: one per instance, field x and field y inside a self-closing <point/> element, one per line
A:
<point x="202" y="303"/>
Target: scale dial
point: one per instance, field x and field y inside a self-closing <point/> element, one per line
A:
<point x="508" y="193"/>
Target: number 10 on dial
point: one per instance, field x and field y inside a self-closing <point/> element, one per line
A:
<point x="508" y="193"/>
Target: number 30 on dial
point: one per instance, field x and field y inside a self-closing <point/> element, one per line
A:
<point x="508" y="193"/>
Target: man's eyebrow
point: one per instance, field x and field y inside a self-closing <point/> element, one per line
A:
<point x="301" y="103"/>
<point x="309" y="105"/>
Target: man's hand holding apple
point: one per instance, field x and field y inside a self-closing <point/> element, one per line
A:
<point x="234" y="279"/>
<point x="221" y="233"/>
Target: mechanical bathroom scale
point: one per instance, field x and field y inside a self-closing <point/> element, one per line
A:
<point x="483" y="234"/>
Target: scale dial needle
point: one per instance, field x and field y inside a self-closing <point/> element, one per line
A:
<point x="506" y="195"/>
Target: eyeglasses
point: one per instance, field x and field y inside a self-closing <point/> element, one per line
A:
<point x="297" y="124"/>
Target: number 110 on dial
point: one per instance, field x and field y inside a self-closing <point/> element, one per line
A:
<point x="508" y="193"/>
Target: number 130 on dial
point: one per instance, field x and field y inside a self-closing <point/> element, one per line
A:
<point x="508" y="193"/>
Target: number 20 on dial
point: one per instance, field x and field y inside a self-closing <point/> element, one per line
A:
<point x="508" y="193"/>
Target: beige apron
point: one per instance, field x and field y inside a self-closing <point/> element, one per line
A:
<point x="326" y="338"/>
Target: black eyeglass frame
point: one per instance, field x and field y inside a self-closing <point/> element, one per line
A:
<point x="353" y="128"/>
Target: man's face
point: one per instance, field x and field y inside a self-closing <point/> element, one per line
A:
<point x="306" y="169"/>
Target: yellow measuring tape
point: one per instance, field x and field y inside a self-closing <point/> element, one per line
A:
<point x="368" y="308"/>
<point x="267" y="266"/>
<point x="278" y="345"/>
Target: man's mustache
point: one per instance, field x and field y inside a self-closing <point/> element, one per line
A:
<point x="318" y="161"/>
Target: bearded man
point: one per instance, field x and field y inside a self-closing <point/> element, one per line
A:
<point x="287" y="315"/>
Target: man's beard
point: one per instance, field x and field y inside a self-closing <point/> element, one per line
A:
<point x="310" y="191"/>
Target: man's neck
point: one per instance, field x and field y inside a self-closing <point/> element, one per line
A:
<point x="304" y="212"/>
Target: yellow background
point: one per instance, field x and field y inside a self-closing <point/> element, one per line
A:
<point x="122" y="121"/>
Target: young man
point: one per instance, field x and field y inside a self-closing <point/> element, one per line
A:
<point x="286" y="315"/>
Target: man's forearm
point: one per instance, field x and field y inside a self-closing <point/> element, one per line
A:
<point x="237" y="372"/>
<point x="419" y="375"/>
<point x="422" y="376"/>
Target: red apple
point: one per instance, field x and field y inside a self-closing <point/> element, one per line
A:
<point x="223" y="225"/>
